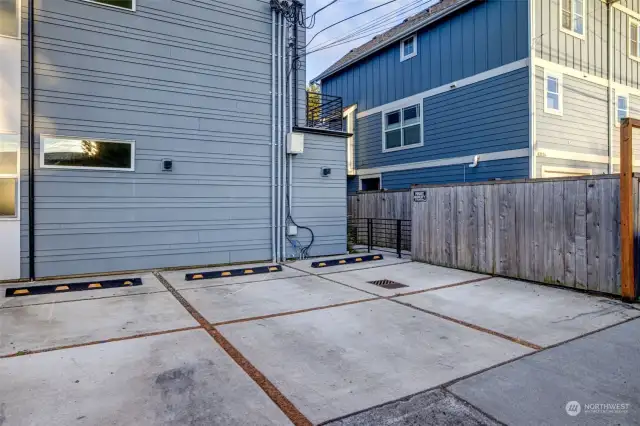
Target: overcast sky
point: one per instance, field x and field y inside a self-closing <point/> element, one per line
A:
<point x="396" y="12"/>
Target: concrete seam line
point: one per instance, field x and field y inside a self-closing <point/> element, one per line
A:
<point x="299" y="311"/>
<point x="281" y="401"/>
<point x="57" y="302"/>
<point x="472" y="326"/>
<point x="426" y="290"/>
<point x="97" y="342"/>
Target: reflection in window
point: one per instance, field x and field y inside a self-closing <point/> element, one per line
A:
<point x="8" y="187"/>
<point x="125" y="4"/>
<point x="9" y="18"/>
<point x="87" y="153"/>
<point x="403" y="128"/>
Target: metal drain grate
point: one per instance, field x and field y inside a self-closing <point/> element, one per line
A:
<point x="388" y="284"/>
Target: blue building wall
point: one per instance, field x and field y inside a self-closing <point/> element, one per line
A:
<point x="352" y="184"/>
<point x="488" y="116"/>
<point x="476" y="39"/>
<point x="513" y="168"/>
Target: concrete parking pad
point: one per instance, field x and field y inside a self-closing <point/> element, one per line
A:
<point x="601" y="368"/>
<point x="176" y="278"/>
<point x="179" y="378"/>
<point x="417" y="276"/>
<point x="434" y="408"/>
<point x="336" y="361"/>
<point x="233" y="302"/>
<point x="35" y="327"/>
<point x="387" y="259"/>
<point x="150" y="284"/>
<point x="536" y="313"/>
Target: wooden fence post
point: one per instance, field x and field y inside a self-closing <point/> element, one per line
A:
<point x="626" y="209"/>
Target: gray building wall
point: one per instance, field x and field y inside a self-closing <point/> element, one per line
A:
<point x="186" y="80"/>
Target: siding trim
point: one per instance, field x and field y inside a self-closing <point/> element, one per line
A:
<point x="626" y="10"/>
<point x="419" y="97"/>
<point x="467" y="159"/>
<point x="577" y="156"/>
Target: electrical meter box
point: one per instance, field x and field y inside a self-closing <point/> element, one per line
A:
<point x="295" y="143"/>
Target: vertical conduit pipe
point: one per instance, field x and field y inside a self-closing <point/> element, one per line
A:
<point x="273" y="135"/>
<point x="611" y="100"/>
<point x="31" y="142"/>
<point x="292" y="107"/>
<point x="283" y="158"/>
<point x="279" y="136"/>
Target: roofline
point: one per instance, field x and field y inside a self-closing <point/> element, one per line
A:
<point x="435" y="17"/>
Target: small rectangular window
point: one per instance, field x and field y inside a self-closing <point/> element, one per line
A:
<point x="409" y="48"/>
<point x="124" y="4"/>
<point x="370" y="184"/>
<point x="8" y="189"/>
<point x="9" y="22"/>
<point x="9" y="169"/>
<point x="572" y="16"/>
<point x="553" y="93"/>
<point x="402" y="128"/>
<point x="65" y="152"/>
<point x="622" y="108"/>
<point x="634" y="46"/>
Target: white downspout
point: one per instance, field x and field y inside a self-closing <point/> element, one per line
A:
<point x="273" y="136"/>
<point x="279" y="136"/>
<point x="283" y="82"/>
<point x="532" y="90"/>
<point x="610" y="98"/>
<point x="292" y="52"/>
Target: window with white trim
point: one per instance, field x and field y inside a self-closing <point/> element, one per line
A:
<point x="123" y="4"/>
<point x="9" y="169"/>
<point x="409" y="48"/>
<point x="634" y="37"/>
<point x="622" y="107"/>
<point x="9" y="22"/>
<point x="553" y="93"/>
<point x="402" y="128"/>
<point x="572" y="16"/>
<point x="94" y="154"/>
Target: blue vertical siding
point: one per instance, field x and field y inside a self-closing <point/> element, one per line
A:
<point x="488" y="116"/>
<point x="476" y="39"/>
<point x="513" y="168"/>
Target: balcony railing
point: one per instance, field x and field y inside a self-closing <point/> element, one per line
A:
<point x="324" y="111"/>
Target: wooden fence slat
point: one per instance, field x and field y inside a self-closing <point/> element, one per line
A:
<point x="570" y="195"/>
<point x="581" y="275"/>
<point x="593" y="235"/>
<point x="558" y="232"/>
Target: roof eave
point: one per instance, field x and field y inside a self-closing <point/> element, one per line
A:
<point x="436" y="16"/>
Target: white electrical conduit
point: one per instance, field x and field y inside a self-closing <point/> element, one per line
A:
<point x="279" y="138"/>
<point x="291" y="106"/>
<point x="284" y="135"/>
<point x="273" y="136"/>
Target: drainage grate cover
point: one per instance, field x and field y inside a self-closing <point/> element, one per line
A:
<point x="388" y="284"/>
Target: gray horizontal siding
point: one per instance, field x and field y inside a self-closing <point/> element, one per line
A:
<point x="513" y="168"/>
<point x="488" y="116"/>
<point x="320" y="203"/>
<point x="583" y="126"/>
<point x="187" y="80"/>
<point x="481" y="37"/>
<point x="596" y="168"/>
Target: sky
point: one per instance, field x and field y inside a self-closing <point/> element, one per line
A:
<point x="388" y="15"/>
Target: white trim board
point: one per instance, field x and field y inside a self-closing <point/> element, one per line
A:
<point x="418" y="97"/>
<point x="467" y="159"/>
<point x="576" y="156"/>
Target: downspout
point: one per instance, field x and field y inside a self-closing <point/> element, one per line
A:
<point x="279" y="136"/>
<point x="610" y="104"/>
<point x="31" y="142"/>
<point x="532" y="91"/>
<point x="283" y="157"/>
<point x="295" y="73"/>
<point x="292" y="108"/>
<point x="273" y="135"/>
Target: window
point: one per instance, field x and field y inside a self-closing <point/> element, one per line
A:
<point x="124" y="4"/>
<point x="634" y="46"/>
<point x="572" y="16"/>
<point x="371" y="184"/>
<point x="409" y="48"/>
<point x="553" y="93"/>
<point x="622" y="108"/>
<point x="62" y="152"/>
<point x="402" y="129"/>
<point x="9" y="175"/>
<point x="9" y="22"/>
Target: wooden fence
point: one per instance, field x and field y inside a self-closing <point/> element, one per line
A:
<point x="380" y="205"/>
<point x="563" y="231"/>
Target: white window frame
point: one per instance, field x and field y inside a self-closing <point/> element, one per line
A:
<point x="420" y="123"/>
<point x="570" y="171"/>
<point x="18" y="11"/>
<point x="133" y="5"/>
<point x="414" y="39"/>
<point x="371" y="176"/>
<point x="571" y="31"/>
<point x="615" y="107"/>
<point x="104" y="169"/>
<point x="349" y="115"/>
<point x="559" y="78"/>
<point x="15" y="176"/>
<point x="636" y="55"/>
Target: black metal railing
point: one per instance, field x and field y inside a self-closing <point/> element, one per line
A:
<point x="324" y="111"/>
<point x="380" y="233"/>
